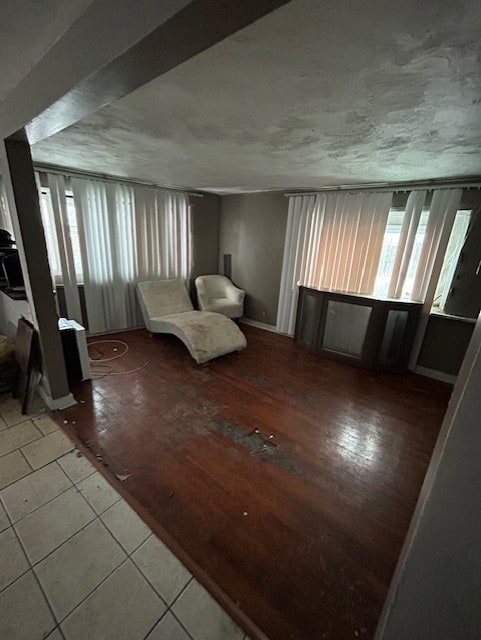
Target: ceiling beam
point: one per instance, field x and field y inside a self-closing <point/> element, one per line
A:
<point x="90" y="73"/>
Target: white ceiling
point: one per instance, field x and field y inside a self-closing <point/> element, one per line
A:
<point x="313" y="94"/>
<point x="28" y="28"/>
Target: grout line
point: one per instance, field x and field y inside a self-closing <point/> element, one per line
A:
<point x="35" y="564"/>
<point x="50" y="500"/>
<point x="18" y="448"/>
<point x="181" y="591"/>
<point x="59" y="629"/>
<point x="156" y="623"/>
<point x="180" y="623"/>
<point x="66" y="474"/>
<point x="96" y="517"/>
<point x="26" y="460"/>
<point x="29" y="568"/>
<point x="126" y="559"/>
<point x="36" y="579"/>
<point x="146" y="578"/>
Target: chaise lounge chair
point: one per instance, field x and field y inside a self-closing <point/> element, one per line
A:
<point x="167" y="308"/>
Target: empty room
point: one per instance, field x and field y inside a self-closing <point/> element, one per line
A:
<point x="240" y="288"/>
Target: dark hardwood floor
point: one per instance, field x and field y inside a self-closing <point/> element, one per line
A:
<point x="285" y="480"/>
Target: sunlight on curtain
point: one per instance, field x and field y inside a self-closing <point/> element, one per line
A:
<point x="350" y="241"/>
<point x="333" y="241"/>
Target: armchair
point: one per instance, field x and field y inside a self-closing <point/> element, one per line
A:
<point x="217" y="293"/>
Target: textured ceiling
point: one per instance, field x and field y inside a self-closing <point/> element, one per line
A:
<point x="28" y="28"/>
<point x="313" y="94"/>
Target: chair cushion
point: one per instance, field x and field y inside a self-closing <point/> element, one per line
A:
<point x="206" y="335"/>
<point x="163" y="297"/>
<point x="225" y="306"/>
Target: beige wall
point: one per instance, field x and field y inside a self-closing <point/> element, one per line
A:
<point x="205" y="236"/>
<point x="252" y="229"/>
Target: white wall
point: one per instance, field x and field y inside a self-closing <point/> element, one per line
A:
<point x="436" y="592"/>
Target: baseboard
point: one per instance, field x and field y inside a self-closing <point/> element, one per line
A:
<point x="259" y="325"/>
<point x="436" y="375"/>
<point x="56" y="404"/>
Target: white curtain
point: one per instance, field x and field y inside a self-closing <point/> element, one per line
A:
<point x="333" y="241"/>
<point x="302" y="211"/>
<point x="350" y="241"/>
<point x="442" y="212"/>
<point x="412" y="215"/>
<point x="120" y="233"/>
<point x="128" y="233"/>
<point x="58" y="204"/>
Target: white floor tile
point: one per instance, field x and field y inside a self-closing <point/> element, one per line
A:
<point x="45" y="424"/>
<point x="203" y="618"/>
<point x="76" y="466"/>
<point x="73" y="570"/>
<point x="168" y="629"/>
<point x="13" y="466"/>
<point x="3" y="424"/>
<point x="27" y="494"/>
<point x="55" y="635"/>
<point x="165" y="573"/>
<point x="24" y="614"/>
<point x="48" y="527"/>
<point x="48" y="448"/>
<point x="18" y="436"/>
<point x="11" y="411"/>
<point x="12" y="559"/>
<point x="4" y="521"/>
<point x="124" y="607"/>
<point x="125" y="525"/>
<point x="98" y="492"/>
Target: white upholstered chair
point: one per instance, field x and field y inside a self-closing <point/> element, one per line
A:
<point x="167" y="308"/>
<point x="217" y="293"/>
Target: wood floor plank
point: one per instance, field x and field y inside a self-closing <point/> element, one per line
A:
<point x="287" y="479"/>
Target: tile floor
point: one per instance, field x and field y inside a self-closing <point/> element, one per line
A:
<point x="77" y="563"/>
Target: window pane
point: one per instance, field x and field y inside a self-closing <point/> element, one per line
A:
<point x="416" y="254"/>
<point x="74" y="237"/>
<point x="455" y="244"/>
<point x="50" y="232"/>
<point x="388" y="253"/>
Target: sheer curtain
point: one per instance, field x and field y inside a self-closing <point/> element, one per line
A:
<point x="412" y="215"/>
<point x="128" y="233"/>
<point x="57" y="205"/>
<point x="301" y="214"/>
<point x="442" y="212"/>
<point x="122" y="233"/>
<point x="333" y="241"/>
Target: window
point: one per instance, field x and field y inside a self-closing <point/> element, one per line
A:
<point x="357" y="243"/>
<point x="455" y="245"/>
<point x="390" y="246"/>
<point x="48" y="220"/>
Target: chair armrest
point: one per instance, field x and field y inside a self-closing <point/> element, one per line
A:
<point x="236" y="295"/>
<point x="202" y="296"/>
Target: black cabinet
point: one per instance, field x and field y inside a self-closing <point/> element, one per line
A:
<point x="373" y="333"/>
